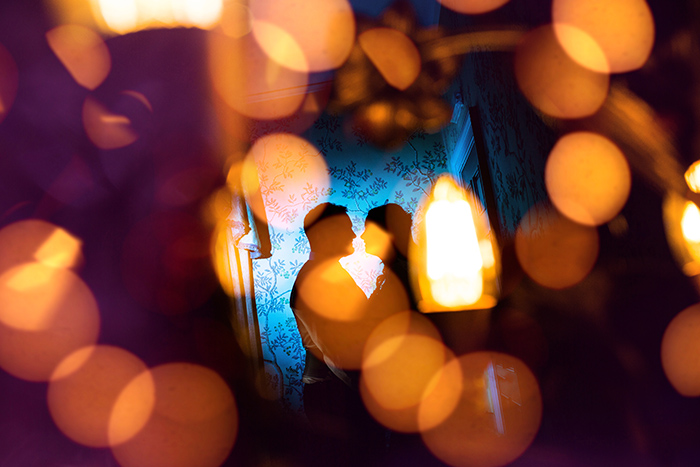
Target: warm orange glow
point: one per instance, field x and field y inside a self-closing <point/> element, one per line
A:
<point x="280" y="46"/>
<point x="9" y="81"/>
<point x="83" y="52"/>
<point x="461" y="266"/>
<point x="123" y="16"/>
<point x="106" y="129"/>
<point x="473" y="6"/>
<point x="250" y="82"/>
<point x="582" y="48"/>
<point x="690" y="223"/>
<point x="341" y="327"/>
<point x="393" y="54"/>
<point x="37" y="240"/>
<point x="313" y="35"/>
<point x="235" y="19"/>
<point x="497" y="417"/>
<point x="292" y="174"/>
<point x="680" y="348"/>
<point x="553" y="82"/>
<point x="692" y="177"/>
<point x="45" y="314"/>
<point x="554" y="251"/>
<point x="88" y="400"/>
<point x="682" y="224"/>
<point x="403" y="368"/>
<point x="194" y="421"/>
<point x="587" y="178"/>
<point x="622" y="29"/>
<point x="325" y="284"/>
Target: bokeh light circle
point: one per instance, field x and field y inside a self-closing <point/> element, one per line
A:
<point x="250" y="82"/>
<point x="553" y="250"/>
<point x="393" y="54"/>
<point x="473" y="6"/>
<point x="497" y="417"/>
<point x="104" y="128"/>
<point x="587" y="178"/>
<point x="319" y="37"/>
<point x="680" y="352"/>
<point x="552" y="81"/>
<point x="83" y="52"/>
<point x="404" y="372"/>
<point x="622" y="29"/>
<point x="87" y="397"/>
<point x="45" y="314"/>
<point x="194" y="422"/>
<point x="37" y="240"/>
<point x="287" y="173"/>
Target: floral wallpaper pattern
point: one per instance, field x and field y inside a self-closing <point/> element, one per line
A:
<point x="360" y="177"/>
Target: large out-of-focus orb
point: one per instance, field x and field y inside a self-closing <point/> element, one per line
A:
<point x="553" y="250"/>
<point x="87" y="401"/>
<point x="497" y="417"/>
<point x="408" y="381"/>
<point x="313" y="35"/>
<point x="680" y="352"/>
<point x="194" y="422"/>
<point x="282" y="175"/>
<point x="250" y="82"/>
<point x="622" y="29"/>
<point x="553" y="82"/>
<point x="46" y="313"/>
<point x="587" y="178"/>
<point x="83" y="52"/>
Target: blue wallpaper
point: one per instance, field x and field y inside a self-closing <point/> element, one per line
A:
<point x="360" y="177"/>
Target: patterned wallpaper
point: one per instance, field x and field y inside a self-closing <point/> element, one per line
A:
<point x="360" y="177"/>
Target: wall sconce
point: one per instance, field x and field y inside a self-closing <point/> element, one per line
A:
<point x="455" y="263"/>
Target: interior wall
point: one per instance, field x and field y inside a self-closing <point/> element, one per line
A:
<point x="360" y="178"/>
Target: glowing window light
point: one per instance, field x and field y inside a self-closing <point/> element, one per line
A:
<point x="456" y="261"/>
<point x="692" y="177"/>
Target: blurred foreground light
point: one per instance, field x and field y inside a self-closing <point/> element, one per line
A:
<point x="194" y="422"/>
<point x="682" y="223"/>
<point x="497" y="416"/>
<point x="393" y="54"/>
<point x="83" y="52"/>
<point x="553" y="250"/>
<point x="473" y="6"/>
<point x="287" y="173"/>
<point x="553" y="82"/>
<point x="105" y="129"/>
<point x="622" y="30"/>
<point x="37" y="240"/>
<point x="587" y="178"/>
<point x="97" y="397"/>
<point x="9" y="80"/>
<point x="124" y="16"/>
<point x="409" y="381"/>
<point x="313" y="35"/>
<point x="46" y="313"/>
<point x="680" y="348"/>
<point x="456" y="260"/>
<point x="250" y="82"/>
<point x="692" y="177"/>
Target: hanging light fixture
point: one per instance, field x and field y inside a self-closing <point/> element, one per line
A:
<point x="455" y="263"/>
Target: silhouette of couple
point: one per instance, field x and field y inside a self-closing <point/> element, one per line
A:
<point x="335" y="318"/>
